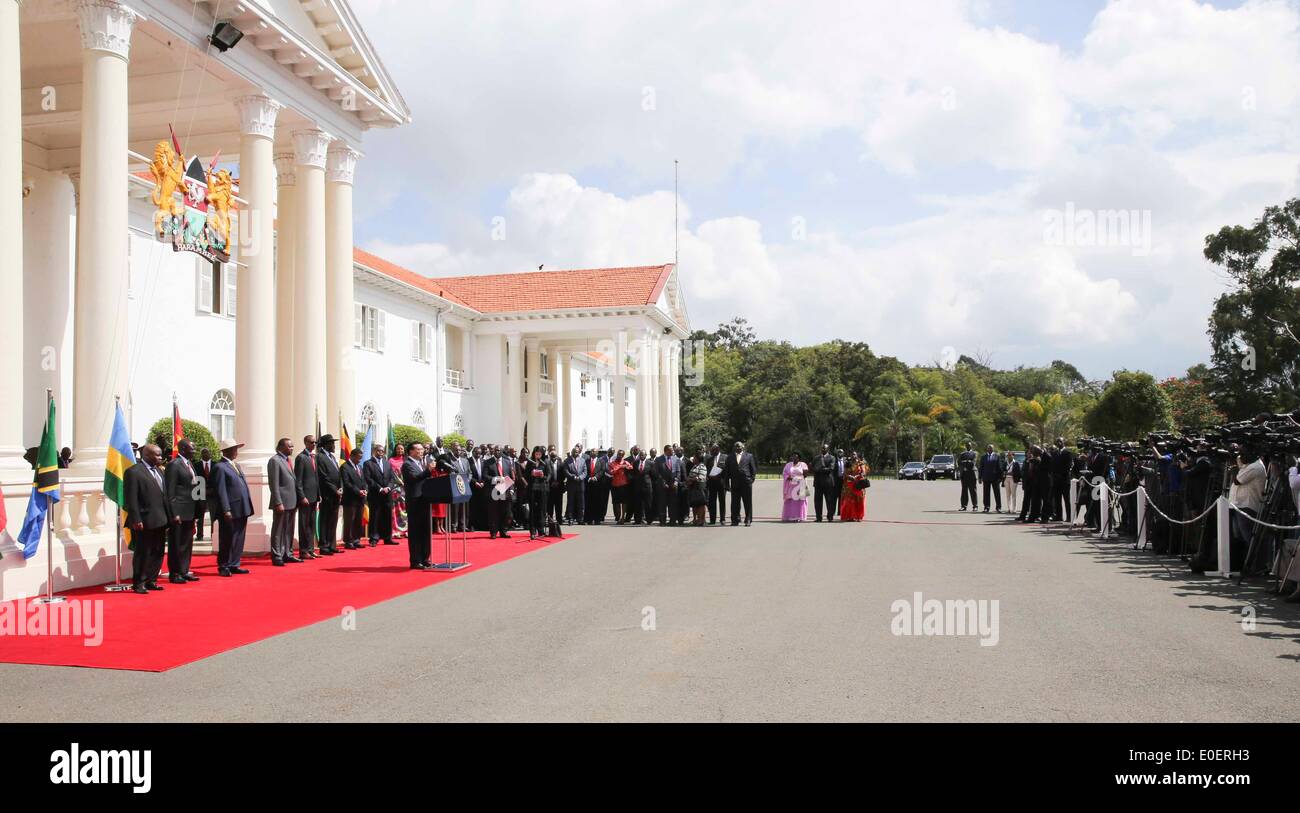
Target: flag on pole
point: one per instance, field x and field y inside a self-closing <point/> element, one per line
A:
<point x="345" y="440"/>
<point x="318" y="423"/>
<point x="45" y="488"/>
<point x="392" y="436"/>
<point x="4" y="515"/>
<point x="120" y="458"/>
<point x="368" y="444"/>
<point x="178" y="429"/>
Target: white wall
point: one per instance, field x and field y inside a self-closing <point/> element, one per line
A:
<point x="392" y="380"/>
<point x="596" y="417"/>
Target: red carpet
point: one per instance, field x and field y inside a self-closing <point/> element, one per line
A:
<point x="186" y="623"/>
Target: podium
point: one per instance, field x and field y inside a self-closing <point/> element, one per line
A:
<point x="449" y="489"/>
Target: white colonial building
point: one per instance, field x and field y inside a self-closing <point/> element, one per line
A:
<point x="296" y="321"/>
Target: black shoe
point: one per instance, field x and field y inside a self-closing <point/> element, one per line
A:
<point x="140" y="589"/>
<point x="190" y="577"/>
<point x="390" y="542"/>
<point x="156" y="587"/>
<point x="239" y="570"/>
<point x="748" y="523"/>
<point x="327" y="553"/>
<point x="277" y="562"/>
<point x="223" y="571"/>
<point x="505" y="535"/>
<point x="292" y="560"/>
<point x="176" y="579"/>
<point x="986" y="510"/>
<point x="374" y="542"/>
<point x="420" y="566"/>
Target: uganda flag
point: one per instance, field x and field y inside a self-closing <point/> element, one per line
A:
<point x="45" y="488"/>
<point x="345" y="442"/>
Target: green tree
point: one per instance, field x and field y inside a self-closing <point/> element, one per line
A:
<point x="1190" y="402"/>
<point x="1131" y="405"/>
<point x="160" y="434"/>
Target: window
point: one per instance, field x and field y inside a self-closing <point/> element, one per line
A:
<point x="598" y="383"/>
<point x="369" y="415"/>
<point x="582" y="385"/>
<point x="368" y="327"/>
<point x="525" y="355"/>
<point x="584" y="438"/>
<point x="600" y="439"/>
<point x="422" y="342"/>
<point x="546" y="366"/>
<point x="221" y="414"/>
<point x="216" y="292"/>
<point x="417" y="418"/>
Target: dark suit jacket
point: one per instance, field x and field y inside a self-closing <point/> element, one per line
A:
<point x="413" y="476"/>
<point x="823" y="470"/>
<point x="741" y="469"/>
<point x="327" y="476"/>
<point x="666" y="470"/>
<point x="304" y="473"/>
<point x="144" y="499"/>
<point x="230" y="490"/>
<point x="179" y="481"/>
<point x="354" y="482"/>
<point x="991" y="468"/>
<point x="538" y="475"/>
<point x="379" y="474"/>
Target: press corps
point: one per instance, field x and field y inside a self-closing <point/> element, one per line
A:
<point x="91" y="767"/>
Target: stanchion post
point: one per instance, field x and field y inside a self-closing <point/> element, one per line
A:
<point x="1223" y="527"/>
<point x="1142" y="531"/>
<point x="117" y="586"/>
<point x="49" y="597"/>
<point x="1103" y="520"/>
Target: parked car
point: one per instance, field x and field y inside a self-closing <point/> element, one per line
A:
<point x="912" y="471"/>
<point x="941" y="465"/>
<point x="1019" y="456"/>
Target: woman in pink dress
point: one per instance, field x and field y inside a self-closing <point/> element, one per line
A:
<point x="794" y="489"/>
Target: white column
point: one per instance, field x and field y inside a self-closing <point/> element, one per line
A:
<point x="618" y="393"/>
<point x="341" y="163"/>
<point x="643" y="391"/>
<point x="255" y="294"/>
<point x="13" y="468"/>
<point x="310" y="314"/>
<point x="560" y="367"/>
<point x="536" y="426"/>
<point x="663" y="394"/>
<point x="510" y="403"/>
<point x="286" y="215"/>
<point x="674" y="390"/>
<point x="101" y="365"/>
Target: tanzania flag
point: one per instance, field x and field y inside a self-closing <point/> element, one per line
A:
<point x="45" y="488"/>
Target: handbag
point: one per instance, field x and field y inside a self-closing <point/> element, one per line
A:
<point x="862" y="485"/>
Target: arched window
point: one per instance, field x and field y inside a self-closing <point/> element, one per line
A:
<point x="417" y="418"/>
<point x="221" y="414"/>
<point x="458" y="423"/>
<point x="368" y="416"/>
<point x="600" y="439"/>
<point x="584" y="438"/>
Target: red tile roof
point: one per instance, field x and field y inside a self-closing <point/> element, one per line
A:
<point x="537" y="290"/>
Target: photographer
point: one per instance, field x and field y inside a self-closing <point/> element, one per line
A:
<point x="1289" y="546"/>
<point x="1250" y="480"/>
<point x="1196" y="482"/>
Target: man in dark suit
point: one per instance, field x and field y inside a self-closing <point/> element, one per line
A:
<point x="633" y="507"/>
<point x="823" y="471"/>
<point x="480" y="500"/>
<point x="682" y="462"/>
<point x="304" y="475"/>
<point x="147" y="516"/>
<point x="555" y="502"/>
<point x="354" y="501"/>
<point x="597" y="480"/>
<point x="840" y="460"/>
<point x="645" y="473"/>
<point x="717" y="459"/>
<point x="181" y="488"/>
<point x="203" y="471"/>
<point x="991" y="472"/>
<point x="233" y="505"/>
<point x="331" y="495"/>
<point x="575" y="480"/>
<point x="966" y="464"/>
<point x="1062" y="467"/>
<point x="381" y="481"/>
<point x="419" y="507"/>
<point x="667" y="477"/>
<point x="496" y="469"/>
<point x="283" y="502"/>
<point x="741" y="475"/>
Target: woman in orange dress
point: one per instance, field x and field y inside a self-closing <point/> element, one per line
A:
<point x="853" y="500"/>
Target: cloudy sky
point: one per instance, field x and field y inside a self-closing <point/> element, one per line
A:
<point x="919" y="176"/>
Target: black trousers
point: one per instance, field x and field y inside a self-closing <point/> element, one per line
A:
<point x="537" y="510"/>
<point x="230" y="541"/>
<point x="499" y="516"/>
<point x="381" y="518"/>
<point x="146" y="561"/>
<point x="742" y="494"/>
<point x="633" y="510"/>
<point x="824" y="494"/>
<point x="180" y="547"/>
<point x="555" y="505"/>
<point x="352" y="523"/>
<point x="419" y="531"/>
<point x="597" y="500"/>
<point x="647" y="501"/>
<point x="996" y="488"/>
<point x="329" y="524"/>
<point x="1061" y="498"/>
<point x="307" y="528"/>
<point x="200" y="516"/>
<point x="717" y="501"/>
<point x="1026" y="499"/>
<point x="968" y="491"/>
<point x="576" y="510"/>
<point x="662" y="500"/>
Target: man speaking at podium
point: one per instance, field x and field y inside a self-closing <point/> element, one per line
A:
<point x="419" y="508"/>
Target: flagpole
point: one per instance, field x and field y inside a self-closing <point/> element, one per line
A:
<point x="49" y="597"/>
<point x="117" y="586"/>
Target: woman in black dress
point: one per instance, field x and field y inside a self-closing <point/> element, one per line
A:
<point x="538" y="473"/>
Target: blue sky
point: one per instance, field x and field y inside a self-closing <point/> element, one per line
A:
<point x="880" y="172"/>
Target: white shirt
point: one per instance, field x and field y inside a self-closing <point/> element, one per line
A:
<point x="1294" y="477"/>
<point x="1250" y="486"/>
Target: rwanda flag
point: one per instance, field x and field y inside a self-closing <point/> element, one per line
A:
<point x="120" y="458"/>
<point x="45" y="488"/>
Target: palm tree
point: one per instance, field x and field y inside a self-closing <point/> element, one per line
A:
<point x="890" y="414"/>
<point x="927" y="409"/>
<point x="1042" y="416"/>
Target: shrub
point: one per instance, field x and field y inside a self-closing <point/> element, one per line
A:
<point x="160" y="434"/>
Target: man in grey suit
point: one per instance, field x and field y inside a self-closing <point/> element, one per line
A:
<point x="304" y="476"/>
<point x="284" y="501"/>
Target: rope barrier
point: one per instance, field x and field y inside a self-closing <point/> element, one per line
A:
<point x="1151" y="504"/>
<point x="1259" y="521"/>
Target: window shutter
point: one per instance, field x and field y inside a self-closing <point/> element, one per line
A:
<point x="356" y="324"/>
<point x="428" y="342"/>
<point x="381" y="319"/>
<point x="415" y="340"/>
<point x="231" y="273"/>
<point x="205" y="286"/>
